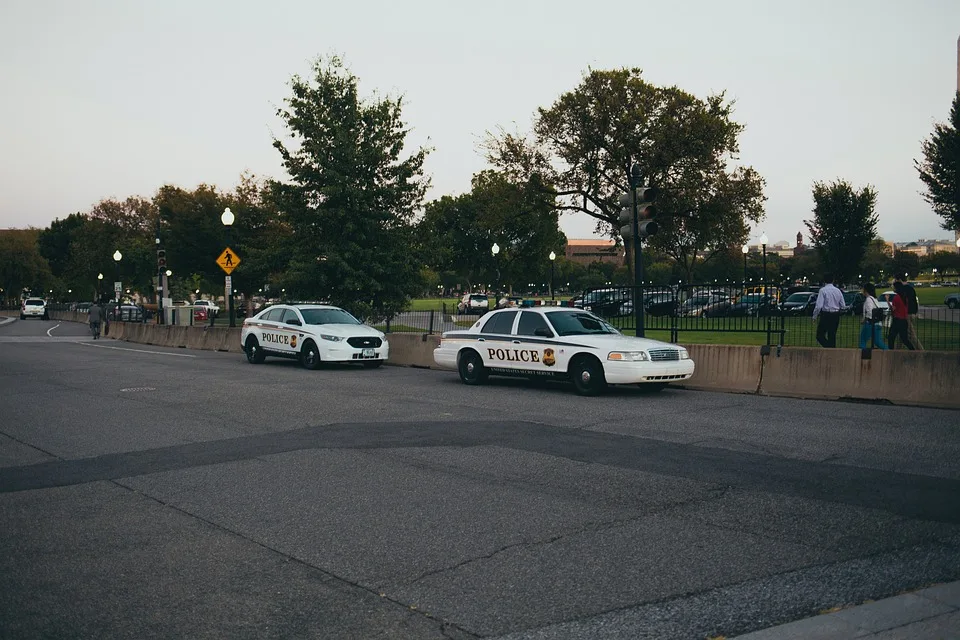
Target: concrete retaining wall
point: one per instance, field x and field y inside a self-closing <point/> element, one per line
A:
<point x="926" y="378"/>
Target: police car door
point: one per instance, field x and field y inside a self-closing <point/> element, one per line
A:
<point x="535" y="339"/>
<point x="292" y="330"/>
<point x="496" y="340"/>
<point x="271" y="337"/>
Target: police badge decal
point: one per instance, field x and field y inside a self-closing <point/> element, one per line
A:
<point x="548" y="358"/>
<point x="293" y="341"/>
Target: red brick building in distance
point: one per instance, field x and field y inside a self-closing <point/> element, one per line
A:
<point x="594" y="250"/>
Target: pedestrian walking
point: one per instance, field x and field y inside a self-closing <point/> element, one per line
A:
<point x="95" y="317"/>
<point x="871" y="327"/>
<point x="826" y="313"/>
<point x="913" y="311"/>
<point x="899" y="327"/>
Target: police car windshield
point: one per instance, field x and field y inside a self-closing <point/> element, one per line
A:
<point x="578" y="323"/>
<point x="327" y="316"/>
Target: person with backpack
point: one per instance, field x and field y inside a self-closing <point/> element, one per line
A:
<point x="95" y="317"/>
<point x="899" y="327"/>
<point x="913" y="311"/>
<point x="872" y="318"/>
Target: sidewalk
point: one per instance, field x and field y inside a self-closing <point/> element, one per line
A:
<point x="929" y="614"/>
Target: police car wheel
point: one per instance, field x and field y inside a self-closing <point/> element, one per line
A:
<point x="255" y="354"/>
<point x="372" y="364"/>
<point x="310" y="356"/>
<point x="587" y="376"/>
<point x="471" y="368"/>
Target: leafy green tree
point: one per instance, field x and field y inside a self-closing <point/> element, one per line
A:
<point x="351" y="196"/>
<point x="940" y="168"/>
<point x="21" y="265"/>
<point x="943" y="261"/>
<point x="905" y="264"/>
<point x="844" y="222"/>
<point x="452" y="239"/>
<point x="192" y="233"/>
<point x="54" y="242"/>
<point x="586" y="142"/>
<point x="877" y="261"/>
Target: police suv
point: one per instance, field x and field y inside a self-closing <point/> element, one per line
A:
<point x="312" y="334"/>
<point x="560" y="342"/>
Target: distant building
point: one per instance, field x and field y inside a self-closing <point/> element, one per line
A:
<point x="594" y="250"/>
<point x="924" y="247"/>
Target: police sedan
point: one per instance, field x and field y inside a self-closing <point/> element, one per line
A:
<point x="560" y="342"/>
<point x="312" y="334"/>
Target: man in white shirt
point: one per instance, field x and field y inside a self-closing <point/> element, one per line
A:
<point x="829" y="305"/>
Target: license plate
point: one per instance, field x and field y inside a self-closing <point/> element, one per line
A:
<point x="369" y="353"/>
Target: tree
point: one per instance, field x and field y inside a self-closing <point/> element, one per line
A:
<point x="943" y="261"/>
<point x="22" y="268"/>
<point x="877" y="261"/>
<point x="586" y="142"/>
<point x="940" y="169"/>
<point x="905" y="264"/>
<point x="54" y="242"/>
<point x="351" y="196"/>
<point x="844" y="222"/>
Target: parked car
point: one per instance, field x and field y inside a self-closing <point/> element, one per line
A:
<point x="124" y="312"/>
<point x="753" y="304"/>
<point x="606" y="302"/>
<point x="853" y="303"/>
<point x="952" y="300"/>
<point x="704" y="306"/>
<point x="801" y="303"/>
<point x="209" y="306"/>
<point x="477" y="303"/>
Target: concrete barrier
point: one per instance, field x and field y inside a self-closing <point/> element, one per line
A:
<point x="725" y="368"/>
<point x="926" y="378"/>
<point x="412" y="349"/>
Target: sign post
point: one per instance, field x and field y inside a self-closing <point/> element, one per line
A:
<point x="228" y="261"/>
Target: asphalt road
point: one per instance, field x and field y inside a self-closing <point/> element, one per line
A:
<point x="153" y="493"/>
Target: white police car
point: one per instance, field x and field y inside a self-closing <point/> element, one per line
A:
<point x="560" y="342"/>
<point x="312" y="333"/>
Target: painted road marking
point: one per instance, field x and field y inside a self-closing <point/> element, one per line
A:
<point x="7" y="321"/>
<point x="157" y="353"/>
<point x="51" y="329"/>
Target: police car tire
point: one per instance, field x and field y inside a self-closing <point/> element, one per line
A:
<point x="306" y="360"/>
<point x="255" y="354"/>
<point x="471" y="369"/>
<point x="586" y="372"/>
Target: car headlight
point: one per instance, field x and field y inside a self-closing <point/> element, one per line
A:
<point x="331" y="338"/>
<point x="628" y="356"/>
<point x="684" y="355"/>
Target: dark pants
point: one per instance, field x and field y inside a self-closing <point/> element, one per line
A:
<point x="900" y="328"/>
<point x="827" y="329"/>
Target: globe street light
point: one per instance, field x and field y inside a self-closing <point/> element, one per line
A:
<point x="227" y="219"/>
<point x="553" y="257"/>
<point x="745" y="250"/>
<point x="168" y="273"/>
<point x="495" y="249"/>
<point x="117" y="256"/>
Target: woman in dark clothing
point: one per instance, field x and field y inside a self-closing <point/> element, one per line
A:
<point x="899" y="326"/>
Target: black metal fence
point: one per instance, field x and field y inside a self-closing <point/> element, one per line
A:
<point x="754" y="314"/>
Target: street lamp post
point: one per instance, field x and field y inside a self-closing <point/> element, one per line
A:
<point x="495" y="249"/>
<point x="99" y="287"/>
<point x="227" y="219"/>
<point x="117" y="256"/>
<point x="745" y="250"/>
<point x="553" y="257"/>
<point x="763" y="243"/>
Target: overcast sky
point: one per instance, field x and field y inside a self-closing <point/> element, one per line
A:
<point x="116" y="98"/>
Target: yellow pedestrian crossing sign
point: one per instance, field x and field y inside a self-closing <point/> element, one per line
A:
<point x="228" y="260"/>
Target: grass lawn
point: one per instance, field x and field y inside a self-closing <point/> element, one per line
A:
<point x="934" y="296"/>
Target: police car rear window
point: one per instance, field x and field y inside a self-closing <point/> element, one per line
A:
<point x="500" y="323"/>
<point x="34" y="301"/>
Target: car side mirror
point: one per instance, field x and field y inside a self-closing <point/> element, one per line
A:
<point x="295" y="322"/>
<point x="543" y="333"/>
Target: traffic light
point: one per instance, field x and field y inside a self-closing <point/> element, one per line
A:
<point x="161" y="258"/>
<point x="646" y="211"/>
